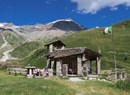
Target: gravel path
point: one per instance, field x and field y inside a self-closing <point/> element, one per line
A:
<point x="5" y="42"/>
<point x="6" y="55"/>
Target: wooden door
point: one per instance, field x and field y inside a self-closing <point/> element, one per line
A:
<point x="72" y="67"/>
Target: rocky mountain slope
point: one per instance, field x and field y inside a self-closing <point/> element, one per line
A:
<point x="53" y="29"/>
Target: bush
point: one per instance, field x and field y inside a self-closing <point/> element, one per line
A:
<point x="125" y="85"/>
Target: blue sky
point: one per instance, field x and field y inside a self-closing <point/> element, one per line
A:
<point x="89" y="13"/>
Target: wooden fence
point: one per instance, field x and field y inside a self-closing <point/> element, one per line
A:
<point x="17" y="71"/>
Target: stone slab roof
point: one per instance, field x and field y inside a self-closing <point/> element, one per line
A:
<point x="73" y="51"/>
<point x="55" y="42"/>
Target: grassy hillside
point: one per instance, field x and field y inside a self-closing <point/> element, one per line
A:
<point x="123" y="24"/>
<point x="95" y="39"/>
<point x="13" y="39"/>
<point x="29" y="53"/>
<point x="36" y="59"/>
<point x="3" y="50"/>
<point x="25" y="49"/>
<point x="1" y="40"/>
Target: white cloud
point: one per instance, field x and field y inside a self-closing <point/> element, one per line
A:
<point x="93" y="6"/>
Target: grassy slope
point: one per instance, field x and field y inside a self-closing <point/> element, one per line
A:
<point x="13" y="39"/>
<point x="14" y="85"/>
<point x="95" y="39"/>
<point x="30" y="53"/>
<point x="24" y="49"/>
<point x="36" y="59"/>
<point x="3" y="50"/>
<point x="1" y="40"/>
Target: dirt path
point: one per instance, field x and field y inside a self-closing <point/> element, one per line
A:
<point x="5" y="42"/>
<point x="6" y="55"/>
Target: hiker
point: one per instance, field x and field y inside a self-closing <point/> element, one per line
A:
<point x="42" y="72"/>
<point x="34" y="72"/>
<point x="37" y="72"/>
<point x="46" y="71"/>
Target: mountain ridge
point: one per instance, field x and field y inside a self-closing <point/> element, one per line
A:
<point x="50" y="30"/>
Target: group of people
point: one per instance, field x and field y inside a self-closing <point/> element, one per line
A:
<point x="41" y="72"/>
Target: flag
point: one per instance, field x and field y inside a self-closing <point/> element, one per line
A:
<point x="107" y="30"/>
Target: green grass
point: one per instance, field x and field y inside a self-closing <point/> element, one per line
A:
<point x="101" y="88"/>
<point x="125" y="85"/>
<point x="29" y="53"/>
<point x="14" y="85"/>
<point x="25" y="49"/>
<point x="13" y="39"/>
<point x="36" y="59"/>
<point x="1" y="40"/>
<point x="11" y="85"/>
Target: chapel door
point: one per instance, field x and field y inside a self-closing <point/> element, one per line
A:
<point x="72" y="67"/>
<point x="54" y="68"/>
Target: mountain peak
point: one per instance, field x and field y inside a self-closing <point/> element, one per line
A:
<point x="65" y="25"/>
<point x="68" y="20"/>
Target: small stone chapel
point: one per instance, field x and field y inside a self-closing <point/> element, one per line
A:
<point x="71" y="61"/>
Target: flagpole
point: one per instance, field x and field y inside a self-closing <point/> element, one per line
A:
<point x="97" y="39"/>
<point x="114" y="55"/>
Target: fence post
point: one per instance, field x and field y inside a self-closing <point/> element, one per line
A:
<point x="9" y="72"/>
<point x="15" y="73"/>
